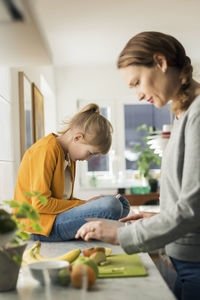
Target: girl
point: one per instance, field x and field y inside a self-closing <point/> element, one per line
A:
<point x="157" y="68"/>
<point x="48" y="166"/>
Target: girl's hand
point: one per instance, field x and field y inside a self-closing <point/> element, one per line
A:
<point x="98" y="230"/>
<point x="135" y="217"/>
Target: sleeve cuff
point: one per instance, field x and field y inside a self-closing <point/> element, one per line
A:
<point x="128" y="240"/>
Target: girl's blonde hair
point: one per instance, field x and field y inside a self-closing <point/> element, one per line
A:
<point x="140" y="50"/>
<point x="97" y="130"/>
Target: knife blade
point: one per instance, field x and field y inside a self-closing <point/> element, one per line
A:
<point x="111" y="222"/>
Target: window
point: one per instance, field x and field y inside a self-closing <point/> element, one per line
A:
<point x="100" y="162"/>
<point x="118" y="167"/>
<point x="136" y="115"/>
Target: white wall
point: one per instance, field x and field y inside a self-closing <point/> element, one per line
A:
<point x="43" y="77"/>
<point x="6" y="133"/>
<point x="22" y="44"/>
<point x="89" y="83"/>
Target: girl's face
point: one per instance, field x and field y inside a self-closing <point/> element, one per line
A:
<point x="151" y="84"/>
<point x="78" y="150"/>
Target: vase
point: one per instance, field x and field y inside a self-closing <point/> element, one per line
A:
<point x="9" y="268"/>
<point x="153" y="186"/>
<point x="93" y="181"/>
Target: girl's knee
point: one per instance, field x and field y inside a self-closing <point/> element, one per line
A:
<point x="113" y="207"/>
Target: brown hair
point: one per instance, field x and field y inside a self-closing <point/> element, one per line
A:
<point x="96" y="128"/>
<point x="140" y="50"/>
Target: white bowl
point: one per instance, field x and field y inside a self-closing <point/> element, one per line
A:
<point x="45" y="270"/>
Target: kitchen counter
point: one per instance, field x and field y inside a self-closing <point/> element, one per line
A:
<point x="141" y="288"/>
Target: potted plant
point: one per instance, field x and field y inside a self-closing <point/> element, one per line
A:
<point x="153" y="182"/>
<point x="12" y="239"/>
<point x="146" y="157"/>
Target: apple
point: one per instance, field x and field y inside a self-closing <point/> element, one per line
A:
<point x="83" y="276"/>
<point x="87" y="252"/>
<point x="82" y="260"/>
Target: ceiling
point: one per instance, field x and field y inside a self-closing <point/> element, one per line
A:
<point x="95" y="31"/>
<point x="91" y="32"/>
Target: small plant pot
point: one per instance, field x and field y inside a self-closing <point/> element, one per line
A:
<point x="7" y="237"/>
<point x="153" y="186"/>
<point x="9" y="269"/>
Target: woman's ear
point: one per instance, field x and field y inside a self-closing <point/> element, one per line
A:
<point x="161" y="62"/>
<point x="78" y="137"/>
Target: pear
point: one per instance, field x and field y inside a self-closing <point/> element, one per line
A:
<point x="88" y="251"/>
<point x="98" y="257"/>
<point x="99" y="248"/>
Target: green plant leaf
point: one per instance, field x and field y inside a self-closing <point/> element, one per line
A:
<point x="17" y="259"/>
<point x="36" y="193"/>
<point x="36" y="227"/>
<point x="23" y="235"/>
<point x="20" y="225"/>
<point x="43" y="200"/>
<point x="12" y="203"/>
<point x="137" y="147"/>
<point x="28" y="194"/>
<point x="28" y="211"/>
<point x="146" y="155"/>
<point x="143" y="127"/>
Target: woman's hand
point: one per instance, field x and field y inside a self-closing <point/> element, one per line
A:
<point x="135" y="217"/>
<point x="98" y="230"/>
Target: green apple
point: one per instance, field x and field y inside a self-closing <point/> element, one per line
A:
<point x="64" y="276"/>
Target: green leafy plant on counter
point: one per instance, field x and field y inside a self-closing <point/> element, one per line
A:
<point x="10" y="222"/>
<point x="146" y="156"/>
<point x="13" y="236"/>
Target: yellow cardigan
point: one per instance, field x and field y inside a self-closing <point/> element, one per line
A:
<point x="42" y="169"/>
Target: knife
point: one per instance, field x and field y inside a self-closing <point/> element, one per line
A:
<point x="111" y="222"/>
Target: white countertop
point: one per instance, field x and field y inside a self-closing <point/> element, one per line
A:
<point x="149" y="287"/>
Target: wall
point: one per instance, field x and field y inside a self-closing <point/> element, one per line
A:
<point x="43" y="77"/>
<point x="6" y="130"/>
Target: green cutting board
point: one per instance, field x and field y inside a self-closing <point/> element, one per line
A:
<point x="122" y="265"/>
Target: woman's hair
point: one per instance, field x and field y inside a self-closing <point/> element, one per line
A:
<point x="96" y="128"/>
<point x="140" y="50"/>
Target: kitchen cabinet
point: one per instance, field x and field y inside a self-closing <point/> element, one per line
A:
<point x="141" y="199"/>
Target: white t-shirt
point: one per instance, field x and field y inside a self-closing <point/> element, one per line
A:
<point x="68" y="180"/>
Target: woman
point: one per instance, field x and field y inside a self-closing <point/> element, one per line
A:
<point x="48" y="166"/>
<point x="155" y="65"/>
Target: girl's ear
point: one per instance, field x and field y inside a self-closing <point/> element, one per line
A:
<point x="78" y="137"/>
<point x="161" y="62"/>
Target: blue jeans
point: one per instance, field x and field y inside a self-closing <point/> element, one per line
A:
<point x="187" y="285"/>
<point x="68" y="222"/>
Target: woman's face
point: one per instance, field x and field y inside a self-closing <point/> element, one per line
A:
<point x="151" y="84"/>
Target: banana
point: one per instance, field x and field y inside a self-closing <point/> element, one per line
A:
<point x="29" y="255"/>
<point x="33" y="255"/>
<point x="108" y="251"/>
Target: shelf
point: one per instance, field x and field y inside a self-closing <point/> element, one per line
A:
<point x="140" y="199"/>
